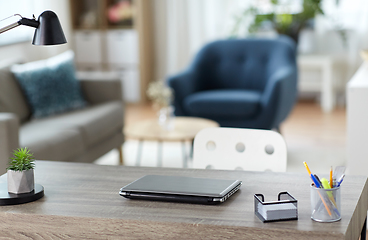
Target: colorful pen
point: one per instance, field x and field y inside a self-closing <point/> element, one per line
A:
<point x="306" y="166"/>
<point x="319" y="181"/>
<point x="339" y="171"/>
<point x="340" y="180"/>
<point x="326" y="185"/>
<point x="325" y="203"/>
<point x="316" y="183"/>
<point x="331" y="179"/>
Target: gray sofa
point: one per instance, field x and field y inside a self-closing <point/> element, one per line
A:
<point x="80" y="135"/>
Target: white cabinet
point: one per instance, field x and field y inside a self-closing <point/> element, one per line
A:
<point x="116" y="49"/>
<point x="123" y="56"/>
<point x="88" y="49"/>
<point x="111" y="51"/>
<point x="122" y="48"/>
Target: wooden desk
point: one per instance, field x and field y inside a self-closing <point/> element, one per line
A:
<point x="82" y="201"/>
<point x="185" y="129"/>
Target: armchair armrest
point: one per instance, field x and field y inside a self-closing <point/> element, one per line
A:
<point x="280" y="95"/>
<point x="100" y="91"/>
<point x="183" y="85"/>
<point x="9" y="138"/>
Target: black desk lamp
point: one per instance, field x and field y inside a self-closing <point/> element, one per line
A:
<point x="48" y="29"/>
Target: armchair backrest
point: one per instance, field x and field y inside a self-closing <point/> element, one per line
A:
<point x="241" y="63"/>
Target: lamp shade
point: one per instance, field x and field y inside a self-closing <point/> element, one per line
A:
<point x="49" y="31"/>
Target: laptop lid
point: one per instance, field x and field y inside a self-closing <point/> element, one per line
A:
<point x="178" y="188"/>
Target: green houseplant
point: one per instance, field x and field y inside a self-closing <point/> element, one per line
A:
<point x="284" y="23"/>
<point x="20" y="172"/>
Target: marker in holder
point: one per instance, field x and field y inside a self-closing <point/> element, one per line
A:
<point x="285" y="208"/>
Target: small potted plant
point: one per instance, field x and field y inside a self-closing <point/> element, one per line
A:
<point x="280" y="16"/>
<point x="20" y="171"/>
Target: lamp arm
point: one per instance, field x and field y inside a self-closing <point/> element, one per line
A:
<point x="11" y="26"/>
<point x="24" y="21"/>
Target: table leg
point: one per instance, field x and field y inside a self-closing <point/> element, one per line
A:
<point x="364" y="230"/>
<point x="159" y="154"/>
<point x="191" y="148"/>
<point x="121" y="159"/>
<point x="185" y="158"/>
<point x="139" y="153"/>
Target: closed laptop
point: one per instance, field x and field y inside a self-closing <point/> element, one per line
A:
<point x="181" y="189"/>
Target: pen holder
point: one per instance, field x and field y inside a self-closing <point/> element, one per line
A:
<point x="325" y="204"/>
<point x="286" y="208"/>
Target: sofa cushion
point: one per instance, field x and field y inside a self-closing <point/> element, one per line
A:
<point x="50" y="143"/>
<point x="94" y="123"/>
<point x="50" y="85"/>
<point x="223" y="103"/>
<point x="12" y="98"/>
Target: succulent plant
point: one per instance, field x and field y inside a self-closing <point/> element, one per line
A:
<point x="22" y="160"/>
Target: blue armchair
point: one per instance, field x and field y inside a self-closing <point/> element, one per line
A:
<point x="244" y="83"/>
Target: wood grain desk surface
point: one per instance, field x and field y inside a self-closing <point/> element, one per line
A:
<point x="82" y="201"/>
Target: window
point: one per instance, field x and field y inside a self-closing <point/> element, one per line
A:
<point x="22" y="33"/>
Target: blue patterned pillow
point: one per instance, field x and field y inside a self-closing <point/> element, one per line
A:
<point x="50" y="85"/>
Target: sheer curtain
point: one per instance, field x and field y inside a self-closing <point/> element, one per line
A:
<point x="182" y="27"/>
<point x="7" y="11"/>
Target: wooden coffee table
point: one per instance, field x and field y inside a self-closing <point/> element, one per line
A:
<point x="185" y="129"/>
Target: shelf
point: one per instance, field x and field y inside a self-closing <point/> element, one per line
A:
<point x="120" y="27"/>
<point x="102" y="14"/>
<point x="86" y="14"/>
<point x="111" y="35"/>
<point x="119" y="13"/>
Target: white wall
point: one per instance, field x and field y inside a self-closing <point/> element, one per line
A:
<point x="26" y="51"/>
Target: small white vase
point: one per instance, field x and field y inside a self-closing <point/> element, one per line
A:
<point x="20" y="182"/>
<point x="166" y="118"/>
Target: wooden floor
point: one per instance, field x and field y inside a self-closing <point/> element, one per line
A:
<point x="311" y="135"/>
<point x="307" y="124"/>
<point x="315" y="137"/>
